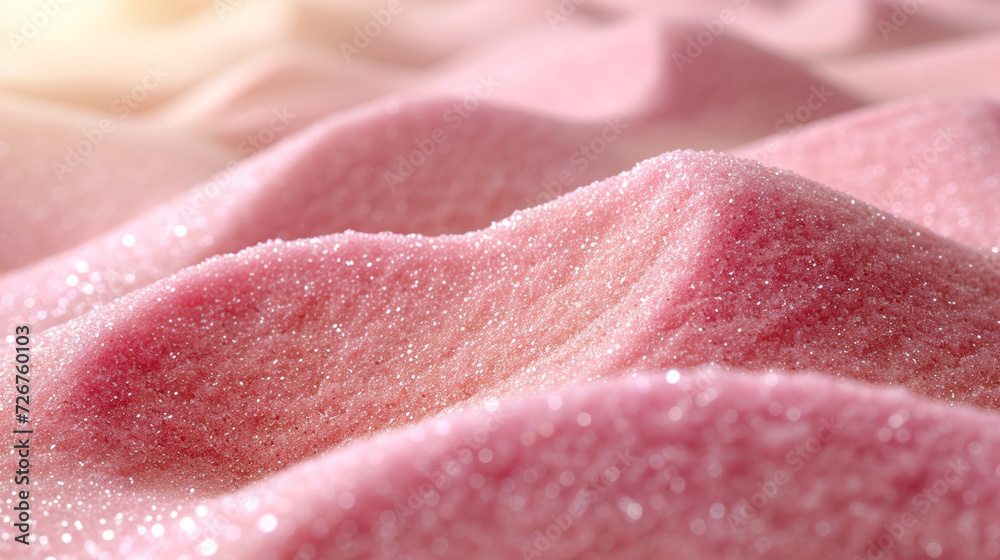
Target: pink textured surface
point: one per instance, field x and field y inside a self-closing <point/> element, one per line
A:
<point x="933" y="161"/>
<point x="706" y="464"/>
<point x="712" y="466"/>
<point x="258" y="331"/>
<point x="780" y="269"/>
<point x="49" y="190"/>
<point x="487" y="165"/>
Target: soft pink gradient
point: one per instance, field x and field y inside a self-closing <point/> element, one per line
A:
<point x="511" y="280"/>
